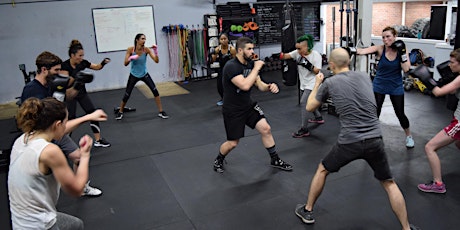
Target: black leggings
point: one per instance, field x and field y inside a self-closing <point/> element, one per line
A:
<point x="398" y="106"/>
<point x="86" y="104"/>
<point x="220" y="86"/>
<point x="132" y="82"/>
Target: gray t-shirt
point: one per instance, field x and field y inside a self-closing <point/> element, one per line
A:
<point x="354" y="101"/>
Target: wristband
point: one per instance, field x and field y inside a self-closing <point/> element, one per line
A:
<point x="105" y="61"/>
<point x="155" y="50"/>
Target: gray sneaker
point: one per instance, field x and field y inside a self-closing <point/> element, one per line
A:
<point x="304" y="215"/>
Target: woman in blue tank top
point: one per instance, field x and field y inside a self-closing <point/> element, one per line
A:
<point x="393" y="59"/>
<point x="137" y="56"/>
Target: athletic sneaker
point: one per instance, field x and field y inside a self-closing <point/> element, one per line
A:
<point x="219" y="165"/>
<point x="304" y="215"/>
<point x="413" y="227"/>
<point x="317" y="120"/>
<point x="119" y="115"/>
<point x="432" y="187"/>
<point x="220" y="103"/>
<point x="301" y="133"/>
<point x="280" y="164"/>
<point x="101" y="143"/>
<point x="163" y="115"/>
<point x="91" y="191"/>
<point x="409" y="142"/>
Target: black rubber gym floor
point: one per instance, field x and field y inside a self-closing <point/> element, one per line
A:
<point x="158" y="173"/>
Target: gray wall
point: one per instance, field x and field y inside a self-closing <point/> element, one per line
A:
<point x="31" y="27"/>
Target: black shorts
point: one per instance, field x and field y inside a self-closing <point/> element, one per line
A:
<point x="235" y="122"/>
<point x="371" y="150"/>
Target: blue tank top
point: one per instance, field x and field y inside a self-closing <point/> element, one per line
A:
<point x="138" y="66"/>
<point x="389" y="77"/>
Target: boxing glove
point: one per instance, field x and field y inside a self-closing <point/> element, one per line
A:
<point x="59" y="86"/>
<point x="81" y="79"/>
<point x="351" y="50"/>
<point x="279" y="56"/>
<point x="155" y="50"/>
<point x="400" y="46"/>
<point x="423" y="74"/>
<point x="133" y="57"/>
<point x="305" y="63"/>
<point x="105" y="61"/>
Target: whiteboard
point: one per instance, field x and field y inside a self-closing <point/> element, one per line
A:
<point x="116" y="28"/>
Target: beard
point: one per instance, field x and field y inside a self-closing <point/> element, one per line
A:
<point x="49" y="78"/>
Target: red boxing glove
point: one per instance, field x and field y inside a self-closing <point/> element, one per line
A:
<point x="155" y="49"/>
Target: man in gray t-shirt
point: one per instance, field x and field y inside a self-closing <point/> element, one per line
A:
<point x="359" y="137"/>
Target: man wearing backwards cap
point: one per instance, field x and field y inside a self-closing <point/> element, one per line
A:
<point x="309" y="64"/>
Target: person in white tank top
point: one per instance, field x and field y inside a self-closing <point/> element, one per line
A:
<point x="38" y="168"/>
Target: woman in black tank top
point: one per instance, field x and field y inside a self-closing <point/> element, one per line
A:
<point x="223" y="53"/>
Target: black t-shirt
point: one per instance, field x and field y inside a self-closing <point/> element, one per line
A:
<point x="73" y="72"/>
<point x="235" y="99"/>
<point x="35" y="89"/>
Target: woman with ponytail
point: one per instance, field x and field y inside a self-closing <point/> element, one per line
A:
<point x="137" y="56"/>
<point x="38" y="168"/>
<point x="77" y="93"/>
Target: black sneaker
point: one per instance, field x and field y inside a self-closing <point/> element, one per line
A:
<point x="301" y="133"/>
<point x="304" y="215"/>
<point x="119" y="115"/>
<point x="219" y="165"/>
<point x="280" y="164"/>
<point x="101" y="143"/>
<point x="413" y="227"/>
<point x="163" y="115"/>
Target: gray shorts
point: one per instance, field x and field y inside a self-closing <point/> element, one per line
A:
<point x="371" y="150"/>
<point x="66" y="144"/>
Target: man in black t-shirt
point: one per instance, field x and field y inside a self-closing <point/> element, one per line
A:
<point x="42" y="86"/>
<point x="239" y="75"/>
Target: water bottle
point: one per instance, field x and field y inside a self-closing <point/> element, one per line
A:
<point x="419" y="34"/>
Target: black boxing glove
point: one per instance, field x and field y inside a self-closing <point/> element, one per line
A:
<point x="351" y="50"/>
<point x="305" y="63"/>
<point x="105" y="61"/>
<point x="81" y="79"/>
<point x="279" y="56"/>
<point x="400" y="46"/>
<point x="59" y="86"/>
<point x="423" y="74"/>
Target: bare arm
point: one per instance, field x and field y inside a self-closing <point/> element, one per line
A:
<point x="370" y="50"/>
<point x="215" y="54"/>
<point x="52" y="158"/>
<point x="98" y="115"/>
<point x="233" y="51"/>
<point x="129" y="51"/>
<point x="245" y="83"/>
<point x="313" y="103"/>
<point x="447" y="89"/>
<point x="151" y="54"/>
<point x="262" y="86"/>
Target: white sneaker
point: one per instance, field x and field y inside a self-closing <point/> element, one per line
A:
<point x="409" y="142"/>
<point x="91" y="191"/>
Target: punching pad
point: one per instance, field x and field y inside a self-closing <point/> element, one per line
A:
<point x="288" y="33"/>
